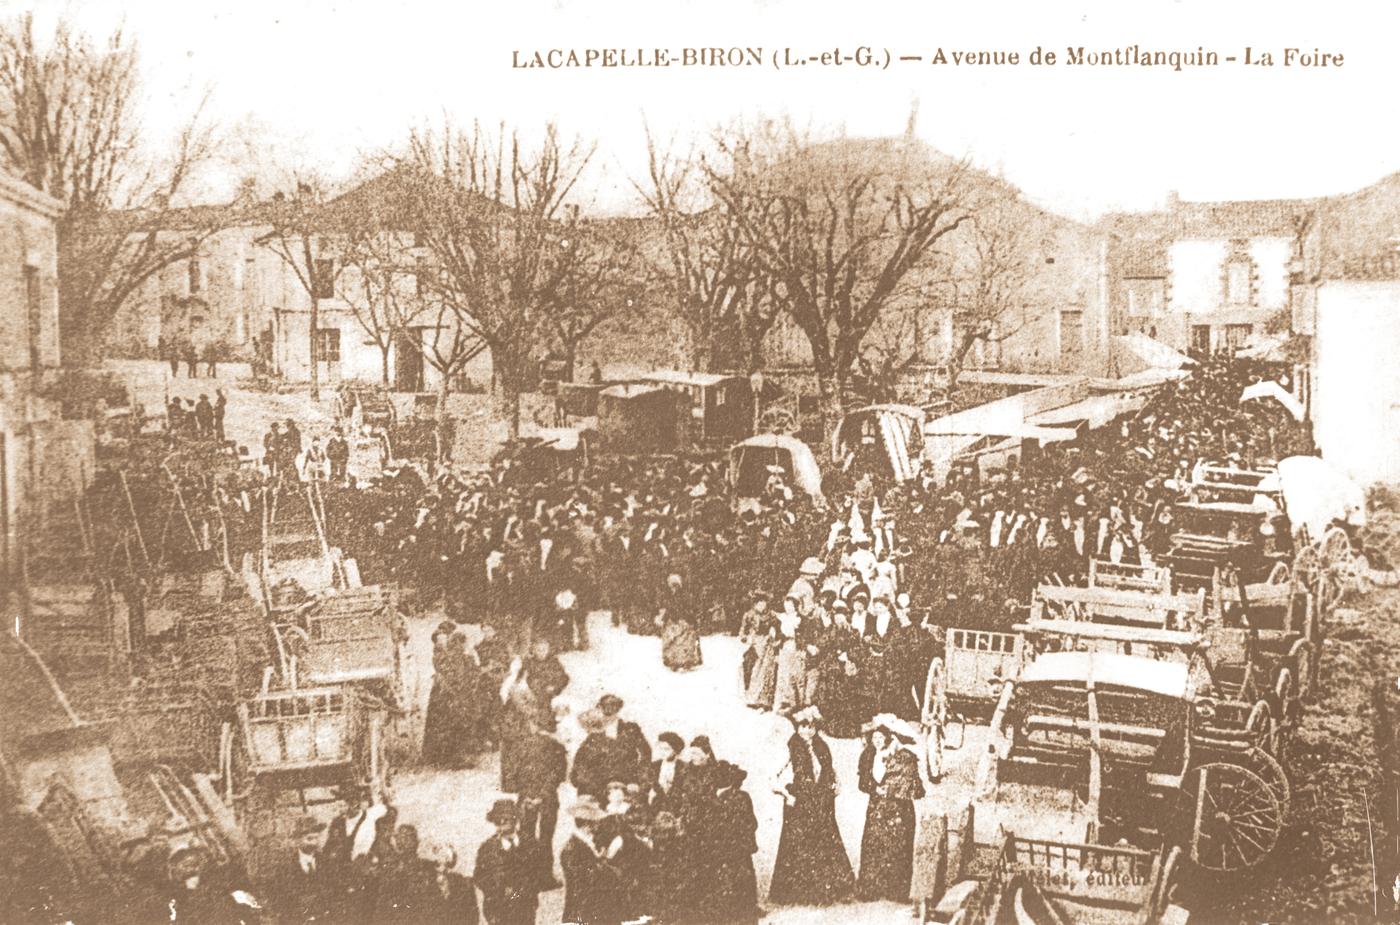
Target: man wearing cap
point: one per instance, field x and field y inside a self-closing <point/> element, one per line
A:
<point x="301" y="889"/>
<point x="508" y="870"/>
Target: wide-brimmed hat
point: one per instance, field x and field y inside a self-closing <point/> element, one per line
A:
<point x="503" y="811"/>
<point x="899" y="728"/>
<point x="758" y="594"/>
<point x="812" y="566"/>
<point x="809" y="714"/>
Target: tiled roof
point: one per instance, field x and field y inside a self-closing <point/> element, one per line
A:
<point x="1248" y="218"/>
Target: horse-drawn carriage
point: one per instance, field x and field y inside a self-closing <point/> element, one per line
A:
<point x="358" y="405"/>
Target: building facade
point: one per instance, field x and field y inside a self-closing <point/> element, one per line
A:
<point x="44" y="460"/>
<point x="1204" y="276"/>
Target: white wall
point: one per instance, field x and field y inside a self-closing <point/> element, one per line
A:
<point x="1356" y="379"/>
<point x="1197" y="268"/>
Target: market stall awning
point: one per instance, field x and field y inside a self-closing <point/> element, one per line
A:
<point x="1096" y="410"/>
<point x="1150" y="353"/>
<point x="1269" y="389"/>
<point x="1019" y="429"/>
<point x="1316" y="493"/>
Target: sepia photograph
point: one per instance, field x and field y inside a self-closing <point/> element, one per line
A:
<point x="699" y="463"/>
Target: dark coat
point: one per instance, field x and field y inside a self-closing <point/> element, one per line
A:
<point x="594" y="888"/>
<point x="733" y="895"/>
<point x="542" y="765"/>
<point x="509" y="880"/>
<point x="450" y="901"/>
<point x="602" y="759"/>
<point x="299" y="898"/>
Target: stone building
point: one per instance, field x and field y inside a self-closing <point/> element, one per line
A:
<point x="44" y="460"/>
<point x="1203" y="276"/>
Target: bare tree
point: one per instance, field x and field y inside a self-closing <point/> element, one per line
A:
<point x="492" y="214"/>
<point x="987" y="291"/>
<point x="68" y="127"/>
<point x="839" y="229"/>
<point x="708" y="266"/>
<point x="300" y="239"/>
<point x="606" y="279"/>
<point x="385" y="296"/>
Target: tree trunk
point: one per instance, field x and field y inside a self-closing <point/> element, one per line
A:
<point x="444" y="421"/>
<point x="315" y="323"/>
<point x="384" y="363"/>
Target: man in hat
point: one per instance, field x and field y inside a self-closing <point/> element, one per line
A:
<point x="542" y="766"/>
<point x="804" y="588"/>
<point x="301" y="890"/>
<point x="194" y="896"/>
<point x="628" y="734"/>
<point x="352" y="850"/>
<point x="595" y="890"/>
<point x="600" y="758"/>
<point x="508" y="870"/>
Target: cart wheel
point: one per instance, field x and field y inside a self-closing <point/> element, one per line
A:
<point x="1300" y="657"/>
<point x="1165" y="889"/>
<point x="1269" y="769"/>
<point x="1307" y="565"/>
<point x="1262" y="727"/>
<point x="935" y="694"/>
<point x="1236" y="816"/>
<point x="1280" y="574"/>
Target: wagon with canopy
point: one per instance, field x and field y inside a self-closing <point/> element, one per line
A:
<point x="884" y="440"/>
<point x="754" y="460"/>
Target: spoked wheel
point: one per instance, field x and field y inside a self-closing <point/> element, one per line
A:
<point x="1268" y="769"/>
<point x="1339" y="564"/>
<point x="1280" y="574"/>
<point x="1236" y="816"/>
<point x="1300" y="657"/>
<point x="1165" y="889"/>
<point x="1262" y="727"/>
<point x="778" y="421"/>
<point x="1307" y="567"/>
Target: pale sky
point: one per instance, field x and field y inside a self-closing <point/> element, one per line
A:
<point x="327" y="81"/>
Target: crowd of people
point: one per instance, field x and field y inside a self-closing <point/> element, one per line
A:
<point x="840" y="604"/>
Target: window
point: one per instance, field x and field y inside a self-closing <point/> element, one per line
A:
<point x="1071" y="333"/>
<point x="1145" y="297"/>
<point x="34" y="314"/>
<point x="196" y="275"/>
<point x="1236" y="335"/>
<point x="1200" y="339"/>
<point x="328" y="345"/>
<point x="323" y="279"/>
<point x="1237" y="279"/>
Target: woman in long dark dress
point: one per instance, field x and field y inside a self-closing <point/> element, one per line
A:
<point x="889" y="773"/>
<point x="734" y="892"/>
<point x="442" y="729"/>
<point x="811" y="867"/>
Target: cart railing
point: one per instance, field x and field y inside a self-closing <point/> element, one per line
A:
<point x="1111" y="605"/>
<point x="1086" y="873"/>
<point x="977" y="659"/>
<point x="1124" y="576"/>
<point x="287" y="731"/>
